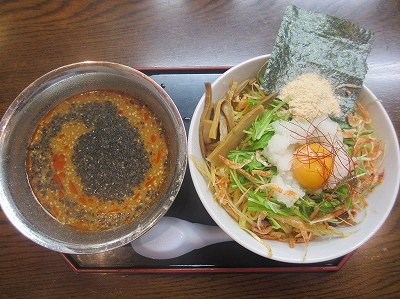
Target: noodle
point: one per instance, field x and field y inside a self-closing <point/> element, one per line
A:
<point x="242" y="183"/>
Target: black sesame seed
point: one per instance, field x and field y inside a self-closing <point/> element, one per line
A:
<point x="110" y="159"/>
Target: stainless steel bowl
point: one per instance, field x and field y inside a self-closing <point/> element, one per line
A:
<point x="19" y="122"/>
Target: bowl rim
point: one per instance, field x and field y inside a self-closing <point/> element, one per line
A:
<point x="209" y="206"/>
<point x="44" y="81"/>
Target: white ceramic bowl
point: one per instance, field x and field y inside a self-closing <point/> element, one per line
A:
<point x="380" y="201"/>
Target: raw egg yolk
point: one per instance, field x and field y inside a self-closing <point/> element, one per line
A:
<point x="312" y="165"/>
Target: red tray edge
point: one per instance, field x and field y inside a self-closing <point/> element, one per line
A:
<point x="78" y="269"/>
<point x="184" y="68"/>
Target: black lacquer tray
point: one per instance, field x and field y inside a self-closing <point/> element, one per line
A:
<point x="186" y="86"/>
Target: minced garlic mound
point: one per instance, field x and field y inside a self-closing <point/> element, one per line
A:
<point x="311" y="96"/>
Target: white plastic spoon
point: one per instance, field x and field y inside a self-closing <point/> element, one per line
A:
<point x="172" y="237"/>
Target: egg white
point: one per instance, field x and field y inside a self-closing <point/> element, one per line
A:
<point x="289" y="135"/>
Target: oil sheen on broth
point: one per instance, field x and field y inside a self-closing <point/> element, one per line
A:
<point x="98" y="160"/>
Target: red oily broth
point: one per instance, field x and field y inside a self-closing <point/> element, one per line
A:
<point x="98" y="160"/>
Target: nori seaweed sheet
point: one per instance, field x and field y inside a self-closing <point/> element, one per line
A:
<point x="332" y="47"/>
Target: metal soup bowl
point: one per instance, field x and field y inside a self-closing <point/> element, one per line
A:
<point x="19" y="122"/>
